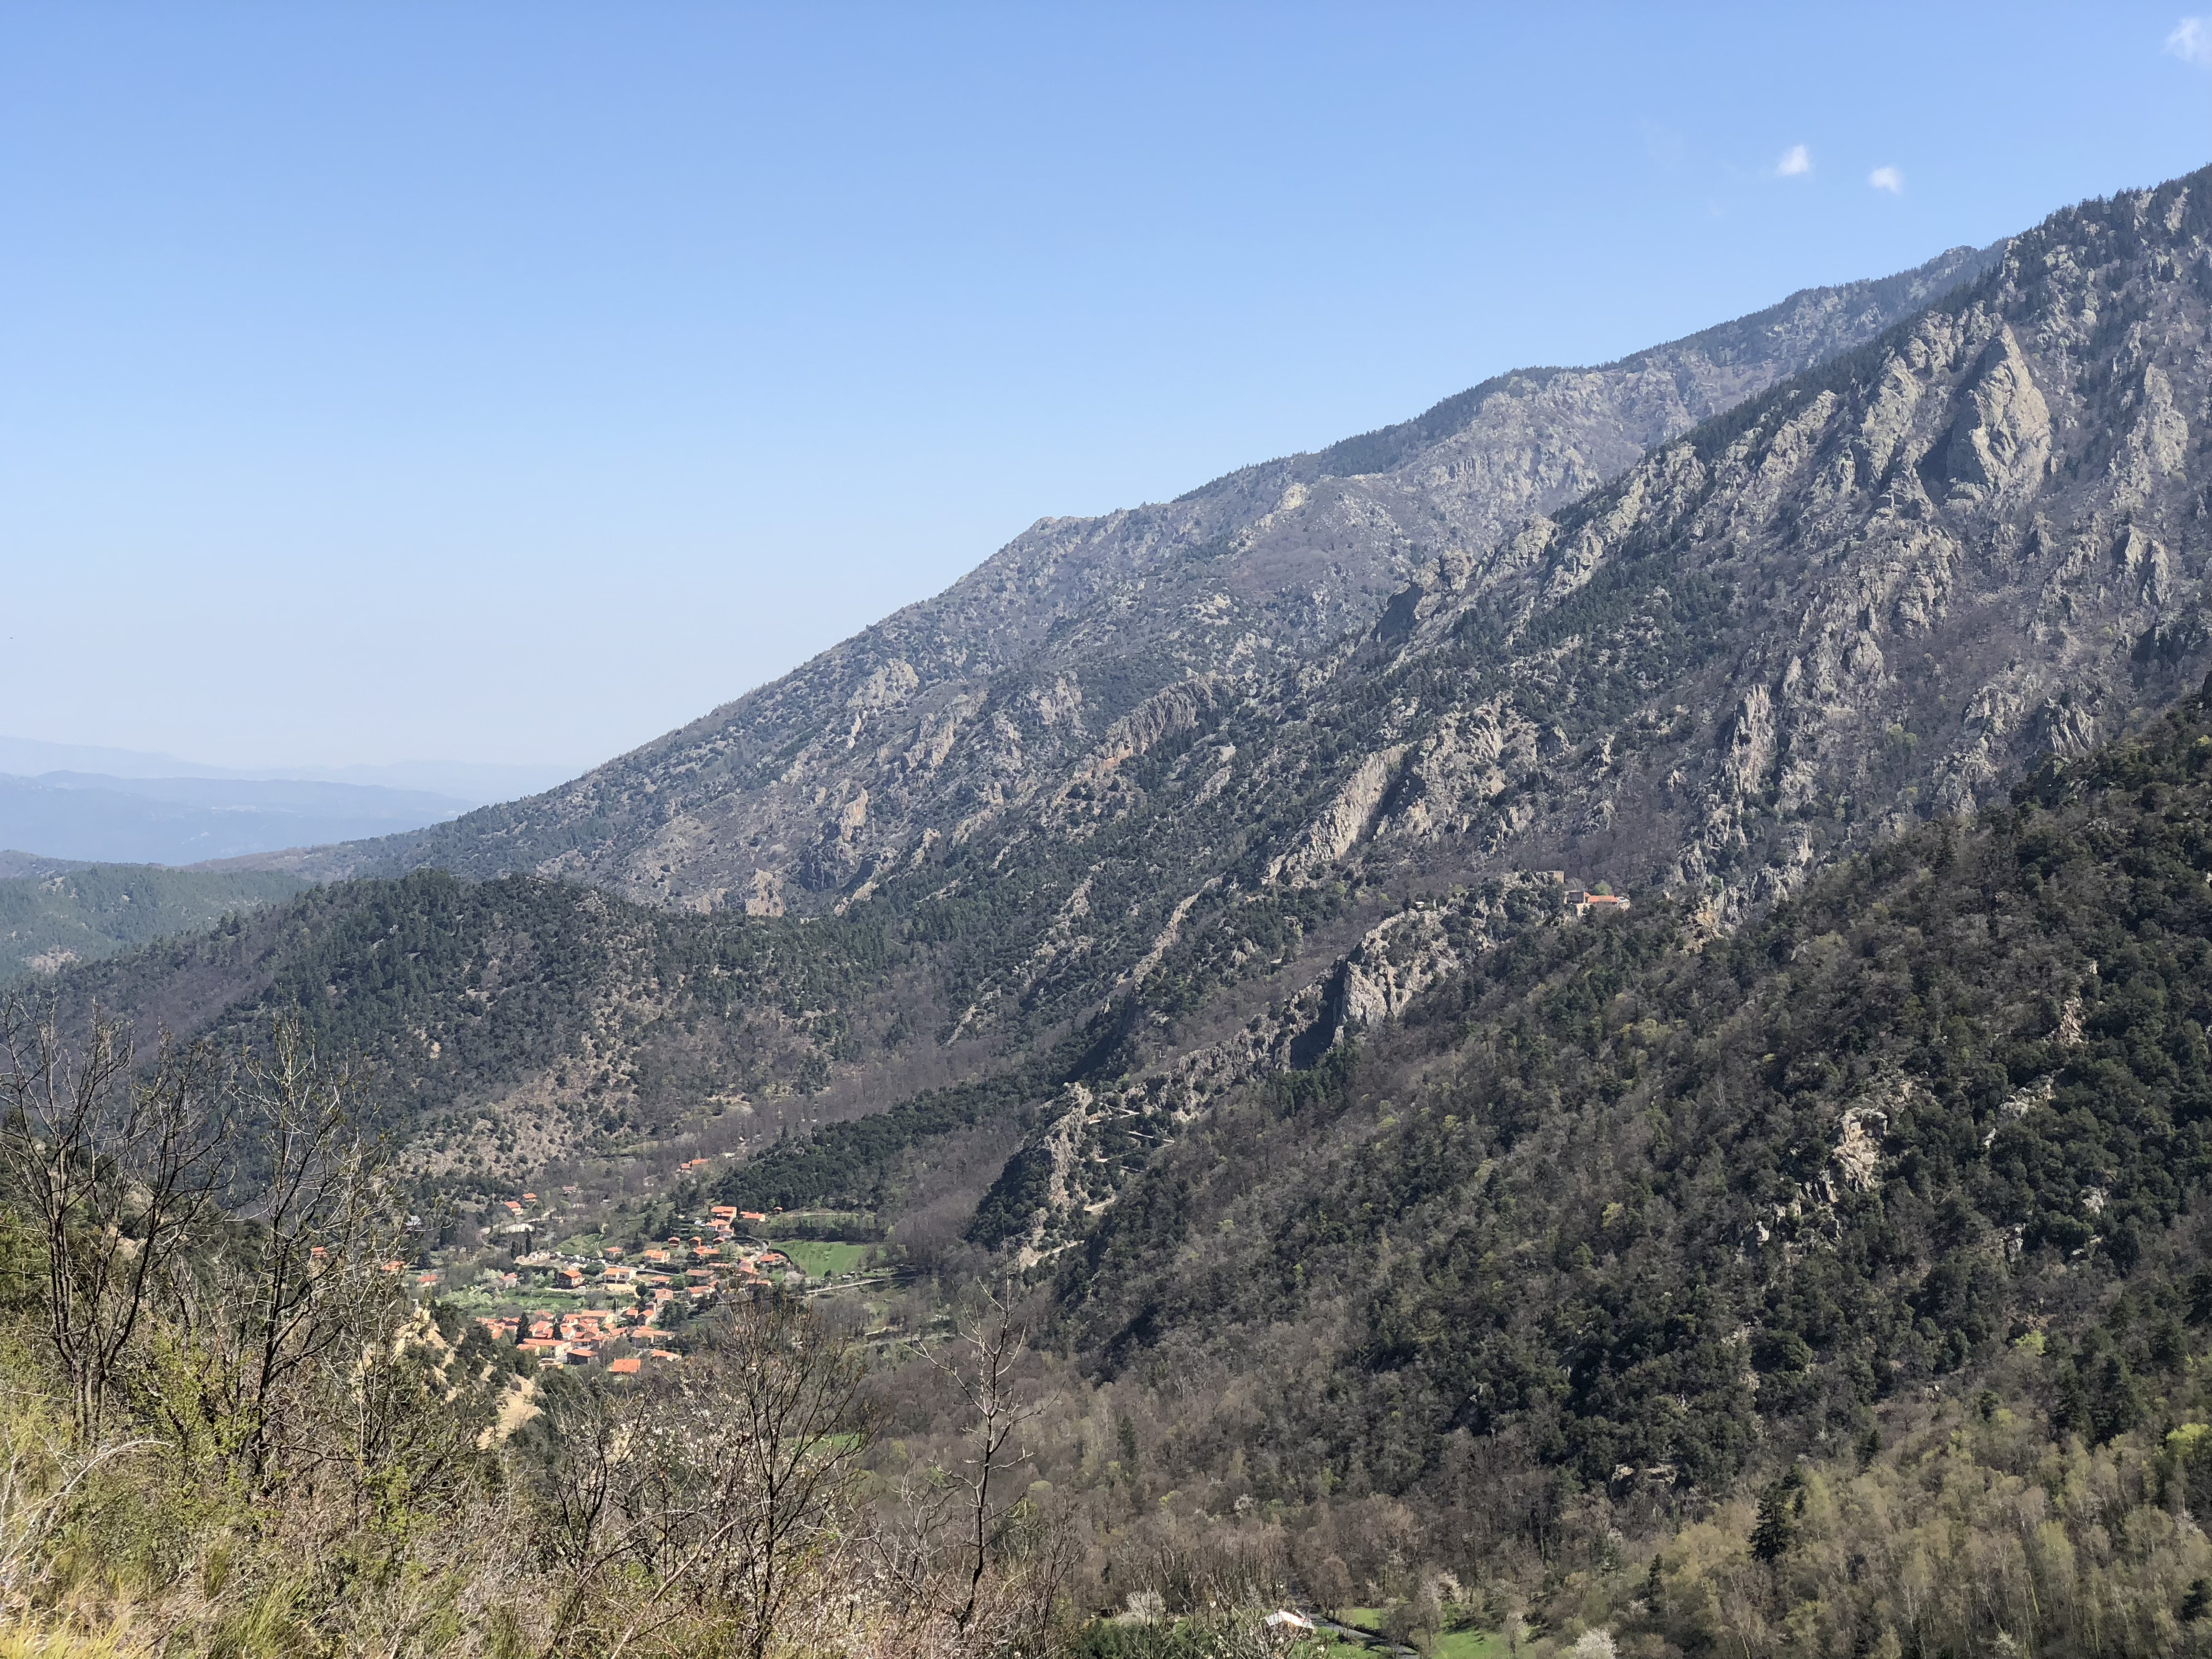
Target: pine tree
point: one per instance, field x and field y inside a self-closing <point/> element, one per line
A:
<point x="1780" y="1507"/>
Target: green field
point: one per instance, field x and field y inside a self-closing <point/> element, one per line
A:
<point x="1452" y="1644"/>
<point x="785" y="1222"/>
<point x="819" y="1260"/>
<point x="1469" y="1644"/>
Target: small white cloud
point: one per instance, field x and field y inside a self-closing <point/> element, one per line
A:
<point x="1888" y="178"/>
<point x="2192" y="41"/>
<point x="1796" y="161"/>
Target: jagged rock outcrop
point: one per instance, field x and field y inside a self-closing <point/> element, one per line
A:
<point x="1870" y="597"/>
<point x="1088" y="1144"/>
<point x="1873" y="594"/>
<point x="936" y="724"/>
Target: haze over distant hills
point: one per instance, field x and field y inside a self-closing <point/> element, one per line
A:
<point x="89" y="816"/>
<point x="79" y="801"/>
<point x="475" y="782"/>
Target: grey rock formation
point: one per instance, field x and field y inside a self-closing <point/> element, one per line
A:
<point x="1208" y="785"/>
<point x="1876" y="594"/>
<point x="941" y="720"/>
<point x="1873" y="595"/>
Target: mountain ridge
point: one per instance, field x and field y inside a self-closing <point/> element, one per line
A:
<point x="989" y="692"/>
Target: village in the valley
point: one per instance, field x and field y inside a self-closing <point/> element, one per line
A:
<point x="608" y="1282"/>
<point x="604" y="1295"/>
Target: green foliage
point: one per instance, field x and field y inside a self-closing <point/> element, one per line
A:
<point x="1622" y="1221"/>
<point x="1781" y="1510"/>
<point x="848" y="1163"/>
<point x="84" y="912"/>
<point x="455" y="991"/>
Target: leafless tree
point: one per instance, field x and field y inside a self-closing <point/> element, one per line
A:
<point x="950" y="1524"/>
<point x="711" y="1497"/>
<point x="114" y="1168"/>
<point x="296" y="1270"/>
<point x="394" y="1430"/>
<point x="783" y="1436"/>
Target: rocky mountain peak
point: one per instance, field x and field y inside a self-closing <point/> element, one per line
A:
<point x="812" y="791"/>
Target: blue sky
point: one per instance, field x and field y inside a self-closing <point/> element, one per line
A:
<point x="516" y="381"/>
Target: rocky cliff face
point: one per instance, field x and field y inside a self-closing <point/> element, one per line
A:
<point x="1049" y="658"/>
<point x="1154" y="813"/>
<point x="1868" y="598"/>
<point x="1157" y="794"/>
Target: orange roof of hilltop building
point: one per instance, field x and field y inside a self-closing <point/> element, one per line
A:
<point x="622" y="1367"/>
<point x="752" y="1215"/>
<point x="656" y="1254"/>
<point x="1582" y="902"/>
<point x="724" y="1211"/>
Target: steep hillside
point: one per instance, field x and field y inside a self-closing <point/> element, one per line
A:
<point x="1867" y="597"/>
<point x="1613" y="1204"/>
<point x="927" y="727"/>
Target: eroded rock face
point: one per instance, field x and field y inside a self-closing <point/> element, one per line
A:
<point x="950" y="719"/>
<point x="1875" y="594"/>
<point x="1089" y="1142"/>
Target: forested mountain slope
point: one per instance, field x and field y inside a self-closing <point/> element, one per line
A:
<point x="1648" y="1213"/>
<point x="511" y="1023"/>
<point x="933" y="725"/>
<point x="1870" y="595"/>
<point x="54" y="912"/>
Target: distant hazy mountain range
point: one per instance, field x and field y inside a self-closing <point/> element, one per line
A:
<point x="475" y="783"/>
<point x="88" y="815"/>
<point x="75" y="801"/>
